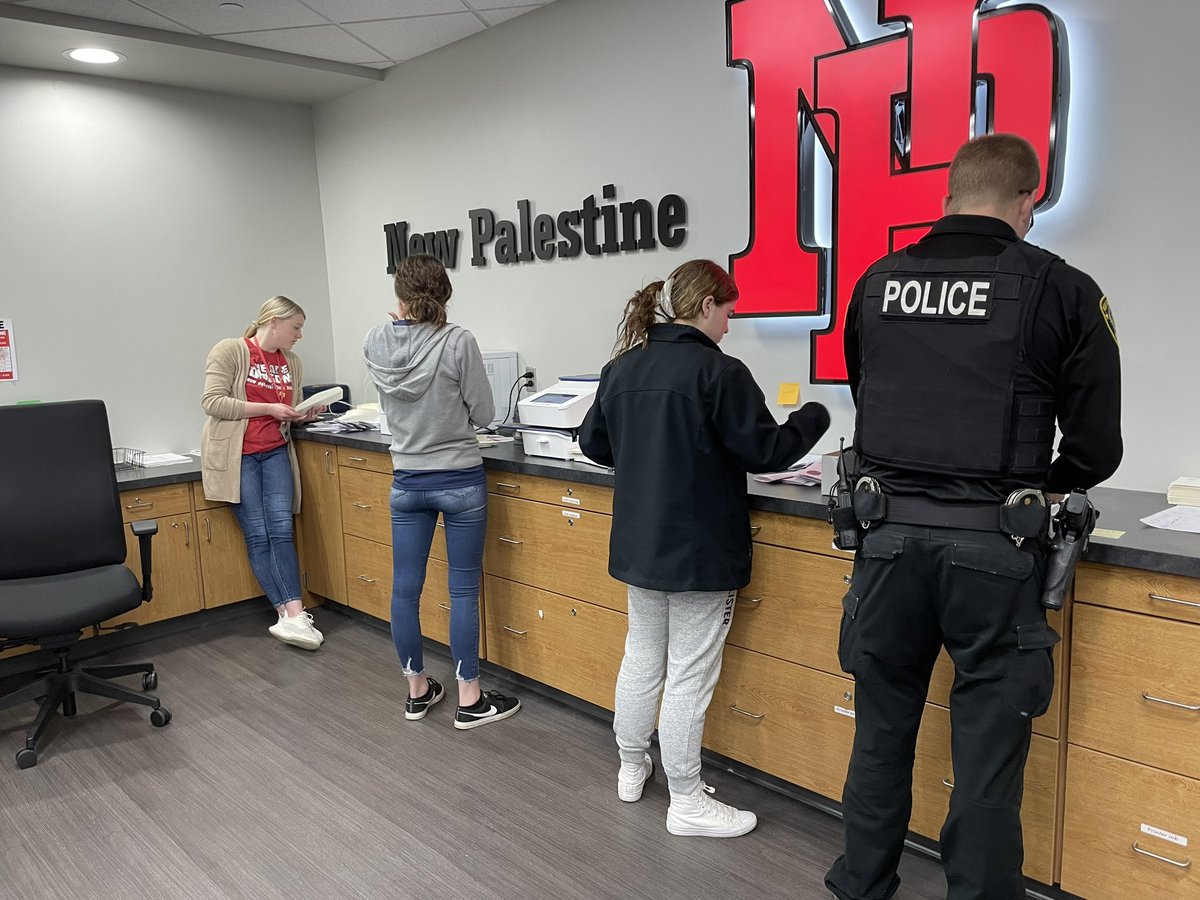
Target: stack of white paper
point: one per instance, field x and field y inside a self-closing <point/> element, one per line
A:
<point x="1184" y="492"/>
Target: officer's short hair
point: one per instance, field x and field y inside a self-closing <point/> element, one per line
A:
<point x="993" y="170"/>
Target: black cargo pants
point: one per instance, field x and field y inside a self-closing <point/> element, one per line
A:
<point x="915" y="589"/>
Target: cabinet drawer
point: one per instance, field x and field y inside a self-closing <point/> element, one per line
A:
<point x="365" y="505"/>
<point x="1114" y="806"/>
<point x="1171" y="596"/>
<point x="151" y="503"/>
<point x="796" y="532"/>
<point x="371" y="460"/>
<point x="199" y="501"/>
<point x="1132" y="678"/>
<point x="369" y="588"/>
<point x="785" y="719"/>
<point x="560" y="550"/>
<point x="792" y="607"/>
<point x="592" y="497"/>
<point x="573" y="646"/>
<point x="933" y="777"/>
<point x="1048" y="724"/>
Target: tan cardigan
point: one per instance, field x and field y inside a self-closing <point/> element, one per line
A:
<point x="224" y="401"/>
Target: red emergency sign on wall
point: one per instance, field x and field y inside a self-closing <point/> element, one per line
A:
<point x="888" y="115"/>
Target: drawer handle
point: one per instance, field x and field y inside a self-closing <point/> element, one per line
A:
<point x="509" y="541"/>
<point x="139" y="503"/>
<point x="357" y="458"/>
<point x="366" y="580"/>
<point x="508" y="486"/>
<point x="514" y="631"/>
<point x="444" y="606"/>
<point x="749" y="601"/>
<point x="755" y="529"/>
<point x="1173" y="600"/>
<point x="847" y="580"/>
<point x="948" y="783"/>
<point x="741" y="712"/>
<point x="361" y="505"/>
<point x="440" y="524"/>
<point x="1179" y="865"/>
<point x="1146" y="696"/>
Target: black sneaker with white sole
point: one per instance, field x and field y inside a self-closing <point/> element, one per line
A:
<point x="416" y="707"/>
<point x="492" y="707"/>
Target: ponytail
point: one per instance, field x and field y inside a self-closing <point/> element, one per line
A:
<point x="640" y="313"/>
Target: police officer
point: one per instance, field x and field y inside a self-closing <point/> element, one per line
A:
<point x="962" y="351"/>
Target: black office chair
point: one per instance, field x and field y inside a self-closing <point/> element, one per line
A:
<point x="62" y="555"/>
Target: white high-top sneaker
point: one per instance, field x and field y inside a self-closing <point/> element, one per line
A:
<point x="633" y="777"/>
<point x="298" y="631"/>
<point x="699" y="815"/>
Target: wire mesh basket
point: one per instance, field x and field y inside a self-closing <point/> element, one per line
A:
<point x="127" y="458"/>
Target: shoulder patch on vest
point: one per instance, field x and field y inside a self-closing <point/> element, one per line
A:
<point x="1106" y="313"/>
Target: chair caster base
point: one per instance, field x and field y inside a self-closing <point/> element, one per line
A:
<point x="160" y="717"/>
<point x="27" y="758"/>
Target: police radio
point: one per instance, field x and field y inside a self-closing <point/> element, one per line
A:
<point x="841" y="507"/>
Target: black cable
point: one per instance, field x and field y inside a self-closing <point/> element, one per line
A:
<point x="508" y="412"/>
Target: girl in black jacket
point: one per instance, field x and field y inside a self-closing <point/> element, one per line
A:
<point x="682" y="424"/>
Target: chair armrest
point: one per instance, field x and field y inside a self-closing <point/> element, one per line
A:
<point x="145" y="530"/>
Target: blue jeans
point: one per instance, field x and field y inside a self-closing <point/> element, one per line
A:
<point x="265" y="515"/>
<point x="414" y="516"/>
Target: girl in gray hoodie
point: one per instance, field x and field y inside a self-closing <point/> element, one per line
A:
<point x="435" y="393"/>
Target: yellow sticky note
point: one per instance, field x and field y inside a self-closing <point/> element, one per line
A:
<point x="1107" y="533"/>
<point x="789" y="393"/>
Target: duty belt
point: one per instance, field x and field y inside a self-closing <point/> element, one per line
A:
<point x="930" y="513"/>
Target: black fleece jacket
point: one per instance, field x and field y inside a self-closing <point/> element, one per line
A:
<point x="682" y="424"/>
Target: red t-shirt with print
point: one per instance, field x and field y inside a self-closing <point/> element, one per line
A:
<point x="269" y="381"/>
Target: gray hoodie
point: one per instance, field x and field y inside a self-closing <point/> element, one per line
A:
<point x="433" y="388"/>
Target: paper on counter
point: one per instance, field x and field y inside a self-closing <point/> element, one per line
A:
<point x="164" y="459"/>
<point x="1177" y="518"/>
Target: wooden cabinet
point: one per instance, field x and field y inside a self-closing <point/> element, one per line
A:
<point x="788" y="720"/>
<point x="1132" y="811"/>
<point x="174" y="559"/>
<point x="319" y="529"/>
<point x="565" y="643"/>
<point x="559" y="549"/>
<point x="224" y="563"/>
<point x="589" y="497"/>
<point x="1130" y="830"/>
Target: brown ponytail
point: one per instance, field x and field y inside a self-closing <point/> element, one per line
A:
<point x="423" y="289"/>
<point x="640" y="313"/>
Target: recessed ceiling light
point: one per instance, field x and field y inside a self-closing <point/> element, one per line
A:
<point x="93" y="55"/>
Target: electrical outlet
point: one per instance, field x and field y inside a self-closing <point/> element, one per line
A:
<point x="530" y="376"/>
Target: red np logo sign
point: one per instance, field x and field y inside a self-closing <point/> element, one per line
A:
<point x="882" y="120"/>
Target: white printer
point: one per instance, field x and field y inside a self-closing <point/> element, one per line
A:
<point x="551" y="417"/>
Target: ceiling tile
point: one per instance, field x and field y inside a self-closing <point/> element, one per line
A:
<point x="365" y="10"/>
<point x="320" y="41"/>
<point x="403" y="39"/>
<point x="207" y="16"/>
<point x="496" y="16"/>
<point x="501" y="4"/>
<point x="111" y="11"/>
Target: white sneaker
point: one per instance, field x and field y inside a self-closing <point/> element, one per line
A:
<point x="298" y="631"/>
<point x="633" y="777"/>
<point x="700" y="815"/>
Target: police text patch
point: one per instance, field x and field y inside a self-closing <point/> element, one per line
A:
<point x="955" y="299"/>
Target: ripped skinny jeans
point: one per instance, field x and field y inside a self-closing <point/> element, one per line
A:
<point x="414" y="516"/>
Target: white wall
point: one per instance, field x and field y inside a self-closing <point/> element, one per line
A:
<point x="138" y="226"/>
<point x="554" y="104"/>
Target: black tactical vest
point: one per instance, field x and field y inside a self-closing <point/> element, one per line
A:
<point x="943" y="354"/>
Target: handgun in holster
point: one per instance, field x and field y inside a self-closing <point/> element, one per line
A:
<point x="1072" y="525"/>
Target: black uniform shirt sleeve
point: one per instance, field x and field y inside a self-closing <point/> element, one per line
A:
<point x="1074" y="333"/>
<point x="850" y="341"/>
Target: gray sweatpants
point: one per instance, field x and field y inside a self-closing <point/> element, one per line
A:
<point x="679" y="638"/>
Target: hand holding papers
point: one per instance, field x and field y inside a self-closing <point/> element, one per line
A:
<point x="804" y="472"/>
